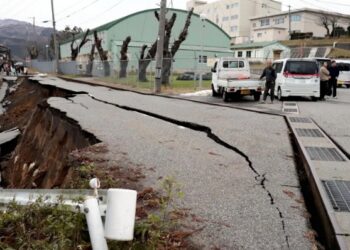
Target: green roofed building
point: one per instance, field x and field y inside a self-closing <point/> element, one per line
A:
<point x="204" y="39"/>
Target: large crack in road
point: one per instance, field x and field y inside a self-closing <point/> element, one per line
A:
<point x="259" y="178"/>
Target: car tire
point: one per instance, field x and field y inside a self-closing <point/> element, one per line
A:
<point x="225" y="96"/>
<point x="279" y="94"/>
<point x="347" y="86"/>
<point x="213" y="92"/>
<point x="257" y="97"/>
<point x="314" y="99"/>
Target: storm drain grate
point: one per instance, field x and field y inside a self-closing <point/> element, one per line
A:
<point x="290" y="110"/>
<point x="339" y="194"/>
<point x="309" y="132"/>
<point x="300" y="119"/>
<point x="289" y="104"/>
<point x="324" y="154"/>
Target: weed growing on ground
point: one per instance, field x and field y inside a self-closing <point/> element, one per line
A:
<point x="40" y="225"/>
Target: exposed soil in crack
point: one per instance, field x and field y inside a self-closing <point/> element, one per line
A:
<point x="39" y="159"/>
<point x="259" y="178"/>
<point x="53" y="151"/>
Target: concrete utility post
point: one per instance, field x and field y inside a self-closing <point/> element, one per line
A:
<point x="290" y="23"/>
<point x="160" y="47"/>
<point x="54" y="36"/>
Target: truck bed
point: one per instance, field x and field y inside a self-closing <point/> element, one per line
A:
<point x="244" y="83"/>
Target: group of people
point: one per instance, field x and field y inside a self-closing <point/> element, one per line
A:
<point x="328" y="75"/>
<point x="329" y="80"/>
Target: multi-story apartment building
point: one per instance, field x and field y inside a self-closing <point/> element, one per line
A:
<point x="233" y="16"/>
<point x="275" y="27"/>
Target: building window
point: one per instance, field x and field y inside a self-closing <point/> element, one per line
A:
<point x="264" y="5"/>
<point x="233" y="53"/>
<point x="225" y="18"/>
<point x="240" y="54"/>
<point x="279" y="20"/>
<point x="254" y="25"/>
<point x="203" y="59"/>
<point x="249" y="54"/>
<point x="234" y="17"/>
<point x="234" y="28"/>
<point x="296" y="18"/>
<point x="265" y="22"/>
<point x="234" y="5"/>
<point x="227" y="6"/>
<point x="259" y="35"/>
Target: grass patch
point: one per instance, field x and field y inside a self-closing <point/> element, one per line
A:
<point x="42" y="226"/>
<point x="176" y="86"/>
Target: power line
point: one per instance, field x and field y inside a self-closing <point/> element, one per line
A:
<point x="67" y="8"/>
<point x="333" y="3"/>
<point x="77" y="11"/>
<point x="101" y="13"/>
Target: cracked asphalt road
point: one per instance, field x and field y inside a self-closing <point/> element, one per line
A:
<point x="220" y="186"/>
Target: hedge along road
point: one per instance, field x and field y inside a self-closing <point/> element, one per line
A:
<point x="236" y="167"/>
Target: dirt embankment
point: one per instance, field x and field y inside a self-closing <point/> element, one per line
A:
<point x="39" y="159"/>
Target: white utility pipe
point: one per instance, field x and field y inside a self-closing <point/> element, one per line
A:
<point x="95" y="225"/>
<point x="120" y="216"/>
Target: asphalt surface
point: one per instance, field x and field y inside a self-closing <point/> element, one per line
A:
<point x="333" y="115"/>
<point x="207" y="149"/>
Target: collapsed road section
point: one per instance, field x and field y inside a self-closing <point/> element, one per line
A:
<point x="233" y="210"/>
<point x="39" y="139"/>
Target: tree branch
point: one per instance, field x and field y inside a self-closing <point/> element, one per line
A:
<point x="183" y="34"/>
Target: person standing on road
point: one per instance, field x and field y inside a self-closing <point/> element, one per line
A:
<point x="324" y="76"/>
<point x="333" y="81"/>
<point x="270" y="74"/>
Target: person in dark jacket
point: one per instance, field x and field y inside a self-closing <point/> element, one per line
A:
<point x="271" y="76"/>
<point x="333" y="81"/>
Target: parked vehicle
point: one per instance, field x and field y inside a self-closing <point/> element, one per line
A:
<point x="187" y="76"/>
<point x="231" y="76"/>
<point x="297" y="77"/>
<point x="322" y="60"/>
<point x="344" y="73"/>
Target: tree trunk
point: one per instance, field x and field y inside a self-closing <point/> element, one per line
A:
<point x="123" y="69"/>
<point x="166" y="72"/>
<point x="106" y="68"/>
<point x="143" y="64"/>
<point x="91" y="61"/>
<point x="124" y="57"/>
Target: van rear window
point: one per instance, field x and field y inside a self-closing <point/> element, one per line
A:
<point x="301" y="68"/>
<point x="344" y="66"/>
<point x="233" y="64"/>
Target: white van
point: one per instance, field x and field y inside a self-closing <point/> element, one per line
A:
<point x="297" y="77"/>
<point x="344" y="72"/>
<point x="231" y="76"/>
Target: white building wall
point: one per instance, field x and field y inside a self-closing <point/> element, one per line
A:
<point x="302" y="21"/>
<point x="234" y="15"/>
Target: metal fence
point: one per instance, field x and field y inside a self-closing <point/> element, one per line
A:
<point x="136" y="73"/>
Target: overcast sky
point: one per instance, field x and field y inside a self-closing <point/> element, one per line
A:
<point x="92" y="13"/>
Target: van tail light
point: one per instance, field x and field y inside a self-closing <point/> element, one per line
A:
<point x="287" y="75"/>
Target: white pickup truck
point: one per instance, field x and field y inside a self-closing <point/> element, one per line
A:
<point x="231" y="76"/>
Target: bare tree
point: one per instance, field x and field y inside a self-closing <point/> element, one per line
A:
<point x="91" y="60"/>
<point x="124" y="60"/>
<point x="145" y="60"/>
<point x="75" y="50"/>
<point x="169" y="52"/>
<point x="325" y="22"/>
<point x="334" y="23"/>
<point x="102" y="53"/>
<point x="33" y="52"/>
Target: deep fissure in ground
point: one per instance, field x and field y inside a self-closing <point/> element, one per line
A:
<point x="38" y="158"/>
